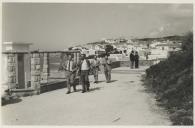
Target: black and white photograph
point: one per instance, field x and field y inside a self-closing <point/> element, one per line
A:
<point x="97" y="64"/>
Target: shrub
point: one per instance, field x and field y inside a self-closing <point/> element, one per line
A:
<point x="172" y="81"/>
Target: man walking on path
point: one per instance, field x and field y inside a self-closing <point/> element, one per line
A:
<point x="132" y="59"/>
<point x="70" y="73"/>
<point x="95" y="68"/>
<point x="107" y="68"/>
<point x="136" y="60"/>
<point x="84" y="66"/>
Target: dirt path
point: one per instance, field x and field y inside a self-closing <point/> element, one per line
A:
<point x="121" y="102"/>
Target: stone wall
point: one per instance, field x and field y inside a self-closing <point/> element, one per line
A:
<point x="117" y="64"/>
<point x="35" y="72"/>
<point x="11" y="70"/>
<point x="45" y="70"/>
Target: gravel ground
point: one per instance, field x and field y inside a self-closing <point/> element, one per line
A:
<point x="121" y="102"/>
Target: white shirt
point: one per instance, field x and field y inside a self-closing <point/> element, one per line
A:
<point x="67" y="66"/>
<point x="84" y="65"/>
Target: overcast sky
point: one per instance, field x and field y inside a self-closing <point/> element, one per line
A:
<point x="57" y="26"/>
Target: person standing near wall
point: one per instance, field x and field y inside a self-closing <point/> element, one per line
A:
<point x="132" y="59"/>
<point x="107" y="68"/>
<point x="84" y="66"/>
<point x="136" y="60"/>
<point x="95" y="68"/>
<point x="70" y="73"/>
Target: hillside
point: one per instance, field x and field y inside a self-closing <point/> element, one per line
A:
<point x="172" y="82"/>
<point x="174" y="38"/>
<point x="171" y="38"/>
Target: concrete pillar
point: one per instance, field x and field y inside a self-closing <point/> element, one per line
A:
<point x="11" y="70"/>
<point x="35" y="72"/>
<point x="45" y="72"/>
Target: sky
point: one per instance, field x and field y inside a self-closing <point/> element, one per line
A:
<point x="56" y="26"/>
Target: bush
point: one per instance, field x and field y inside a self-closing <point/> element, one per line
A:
<point x="172" y="81"/>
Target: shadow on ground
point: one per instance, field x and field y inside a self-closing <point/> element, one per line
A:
<point x="100" y="82"/>
<point x="94" y="89"/>
<point x="113" y="81"/>
<point x="10" y="101"/>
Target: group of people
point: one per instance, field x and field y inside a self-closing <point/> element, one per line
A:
<point x="82" y="69"/>
<point x="134" y="58"/>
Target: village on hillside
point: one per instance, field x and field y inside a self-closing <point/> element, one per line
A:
<point x="120" y="48"/>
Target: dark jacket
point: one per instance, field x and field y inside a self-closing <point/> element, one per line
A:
<point x="136" y="58"/>
<point x="132" y="57"/>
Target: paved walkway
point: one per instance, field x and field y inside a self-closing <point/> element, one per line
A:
<point x="121" y="102"/>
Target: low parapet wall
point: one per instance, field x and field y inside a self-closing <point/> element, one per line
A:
<point x="117" y="64"/>
<point x="50" y="86"/>
<point x="55" y="85"/>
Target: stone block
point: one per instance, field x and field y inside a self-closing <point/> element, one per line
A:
<point x="11" y="55"/>
<point x="45" y="66"/>
<point x="12" y="79"/>
<point x="44" y="78"/>
<point x="44" y="74"/>
<point x="33" y="67"/>
<point x="12" y="85"/>
<point x="35" y="55"/>
<point x="35" y="85"/>
<point x="32" y="79"/>
<point x="45" y="70"/>
<point x="44" y="81"/>
<point x="11" y="74"/>
<point x="38" y="67"/>
<point x="35" y="72"/>
<point x="11" y="60"/>
<point x="11" y="68"/>
<point x="35" y="78"/>
<point x="11" y="64"/>
<point x="45" y="54"/>
<point x="45" y="62"/>
<point x="35" y="60"/>
<point x="45" y="57"/>
<point x="32" y="61"/>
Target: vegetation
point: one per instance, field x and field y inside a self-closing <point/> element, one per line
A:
<point x="172" y="82"/>
<point x="109" y="48"/>
<point x="172" y="38"/>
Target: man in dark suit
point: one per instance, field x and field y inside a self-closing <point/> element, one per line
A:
<point x="84" y="67"/>
<point x="136" y="60"/>
<point x="132" y="59"/>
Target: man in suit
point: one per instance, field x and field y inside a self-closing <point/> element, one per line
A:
<point x="132" y="59"/>
<point x="84" y="67"/>
<point x="107" y="68"/>
<point x="70" y="68"/>
<point x="95" y="68"/>
<point x="136" y="59"/>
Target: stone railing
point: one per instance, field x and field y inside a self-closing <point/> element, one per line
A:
<point x="38" y="76"/>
